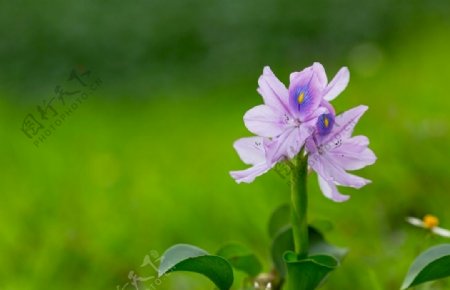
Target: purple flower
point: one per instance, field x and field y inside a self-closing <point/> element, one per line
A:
<point x="288" y="116"/>
<point x="333" y="153"/>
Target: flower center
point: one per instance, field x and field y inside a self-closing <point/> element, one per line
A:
<point x="430" y="221"/>
<point x="325" y="123"/>
<point x="301" y="97"/>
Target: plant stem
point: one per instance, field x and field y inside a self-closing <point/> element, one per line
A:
<point x="299" y="205"/>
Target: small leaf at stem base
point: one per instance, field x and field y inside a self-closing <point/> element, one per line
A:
<point x="284" y="241"/>
<point x="189" y="258"/>
<point x="309" y="273"/>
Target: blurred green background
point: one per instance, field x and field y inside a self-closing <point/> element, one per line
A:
<point x="143" y="162"/>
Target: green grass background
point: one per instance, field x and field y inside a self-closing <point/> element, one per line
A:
<point x="137" y="169"/>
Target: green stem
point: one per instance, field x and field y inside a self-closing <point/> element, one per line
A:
<point x="299" y="205"/>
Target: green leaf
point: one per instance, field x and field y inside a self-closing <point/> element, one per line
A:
<point x="431" y="265"/>
<point x="241" y="258"/>
<point x="279" y="220"/>
<point x="309" y="273"/>
<point x="183" y="257"/>
<point x="284" y="241"/>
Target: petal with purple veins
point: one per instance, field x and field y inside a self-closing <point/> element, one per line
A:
<point x="325" y="124"/>
<point x="305" y="94"/>
<point x="344" y="125"/>
<point x="287" y="145"/>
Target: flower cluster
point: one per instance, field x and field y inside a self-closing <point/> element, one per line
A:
<point x="300" y="120"/>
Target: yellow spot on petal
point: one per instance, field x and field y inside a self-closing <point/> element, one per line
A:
<point x="326" y="122"/>
<point x="301" y="97"/>
<point x="430" y="221"/>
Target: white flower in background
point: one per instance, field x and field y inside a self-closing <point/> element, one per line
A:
<point x="429" y="222"/>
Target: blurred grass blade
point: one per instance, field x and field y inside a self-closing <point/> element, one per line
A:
<point x="189" y="258"/>
<point x="241" y="258"/>
<point x="433" y="264"/>
<point x="308" y="274"/>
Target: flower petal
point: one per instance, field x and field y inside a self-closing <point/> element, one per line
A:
<point x="324" y="124"/>
<point x="249" y="174"/>
<point x="361" y="141"/>
<point x="318" y="69"/>
<point x="344" y="125"/>
<point x="330" y="190"/>
<point x="295" y="74"/>
<point x="251" y="150"/>
<point x="265" y="121"/>
<point x="287" y="145"/>
<point x="337" y="85"/>
<point x="354" y="161"/>
<point x="441" y="232"/>
<point x="353" y="154"/>
<point x="320" y="73"/>
<point x="305" y="94"/>
<point x="310" y="145"/>
<point x="330" y="171"/>
<point x="274" y="92"/>
<point x="328" y="106"/>
<point x="415" y="222"/>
